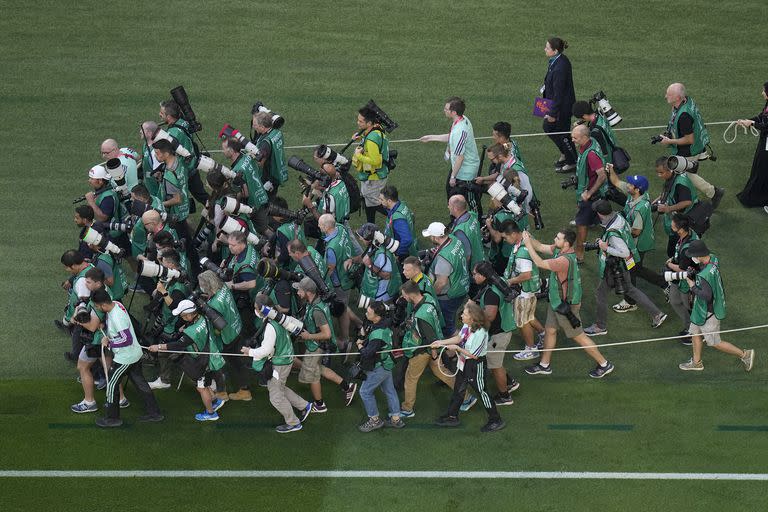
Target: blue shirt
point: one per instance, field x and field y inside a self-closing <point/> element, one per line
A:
<point x="330" y="257"/>
<point x="401" y="231"/>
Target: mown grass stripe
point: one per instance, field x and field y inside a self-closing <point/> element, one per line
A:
<point x="742" y="428"/>
<point x="590" y="426"/>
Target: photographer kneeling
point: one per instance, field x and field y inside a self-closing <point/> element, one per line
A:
<point x="378" y="370"/>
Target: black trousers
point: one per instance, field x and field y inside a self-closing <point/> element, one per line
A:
<point x="197" y="189"/>
<point x="563" y="141"/>
<point x="117" y="372"/>
<point x="473" y="375"/>
<point x="182" y="228"/>
<point x="646" y="274"/>
<point x="238" y="365"/>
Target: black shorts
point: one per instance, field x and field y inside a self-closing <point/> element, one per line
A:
<point x="585" y="215"/>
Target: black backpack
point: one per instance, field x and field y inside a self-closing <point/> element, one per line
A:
<point x="353" y="189"/>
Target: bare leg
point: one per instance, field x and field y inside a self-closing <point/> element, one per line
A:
<point x="550" y="340"/>
<point x="581" y="237"/>
<point x="590" y="348"/>
<point x="500" y="376"/>
<point x="86" y="379"/>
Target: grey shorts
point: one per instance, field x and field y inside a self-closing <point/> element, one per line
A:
<point x="89" y="353"/>
<point x="557" y="320"/>
<point x="370" y="191"/>
<point x="525" y="310"/>
<point x="498" y="341"/>
<point x="311" y="367"/>
<point x="710" y="326"/>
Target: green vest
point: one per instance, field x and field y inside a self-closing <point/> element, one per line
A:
<point x="520" y="251"/>
<point x="700" y="133"/>
<point x="502" y="249"/>
<point x="342" y="248"/>
<point x="224" y="302"/>
<point x="425" y="285"/>
<point x="169" y="321"/>
<point x="618" y="228"/>
<point x="458" y="281"/>
<point x="278" y="170"/>
<point x="146" y="166"/>
<point x="338" y="191"/>
<point x="506" y="309"/>
<point x="682" y="285"/>
<point x="116" y="211"/>
<point x="646" y="241"/>
<point x="573" y="281"/>
<point x="516" y="151"/>
<point x="200" y="332"/>
<point x="246" y="265"/>
<point x="402" y="211"/>
<point x="700" y="310"/>
<point x="292" y="231"/>
<point x="376" y="135"/>
<point x="178" y="131"/>
<point x="139" y="232"/>
<point x="582" y="172"/>
<point x="385" y="334"/>
<point x="471" y="229"/>
<point x="679" y="179"/>
<point x="312" y="328"/>
<point x="120" y="284"/>
<point x="428" y="312"/>
<point x="283" y="354"/>
<point x="257" y="196"/>
<point x="370" y="282"/>
<point x="98" y="334"/>
<point x="604" y="126"/>
<point x="73" y="299"/>
<point x="178" y="179"/>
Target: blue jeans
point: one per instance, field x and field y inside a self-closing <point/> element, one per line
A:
<point x="449" y="308"/>
<point x="374" y="379"/>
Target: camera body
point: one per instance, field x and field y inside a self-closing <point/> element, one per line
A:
<point x="92" y="237"/>
<point x="657" y="138"/>
<point x="570" y="182"/>
<point x="313" y="174"/>
<point x="378" y="239"/>
<point x="600" y="103"/>
<point x="289" y="323"/>
<point x="564" y="308"/>
<point x="269" y="269"/>
<point x="615" y="266"/>
<point x="225" y="274"/>
<point x="277" y="120"/>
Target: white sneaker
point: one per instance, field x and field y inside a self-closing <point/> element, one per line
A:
<point x="159" y="384"/>
<point x="526" y="354"/>
<point x="624" y="307"/>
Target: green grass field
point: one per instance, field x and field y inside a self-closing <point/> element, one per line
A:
<point x="77" y="73"/>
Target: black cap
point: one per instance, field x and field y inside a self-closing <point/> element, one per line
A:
<point x="602" y="207"/>
<point x="581" y="108"/>
<point x="697" y="249"/>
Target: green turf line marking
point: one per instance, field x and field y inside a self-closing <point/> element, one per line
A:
<point x="435" y="475"/>
<point x="590" y="426"/>
<point x="742" y="428"/>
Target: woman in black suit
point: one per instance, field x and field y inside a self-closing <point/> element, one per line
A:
<point x="558" y="87"/>
<point x="755" y="192"/>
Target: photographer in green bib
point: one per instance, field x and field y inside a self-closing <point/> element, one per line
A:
<point x="288" y="229"/>
<point x="466" y="229"/>
<point x="105" y="201"/>
<point x="204" y="368"/>
<point x="178" y="128"/>
<point x="114" y="274"/>
<point x="149" y="164"/>
<point x="77" y="297"/>
<point x="400" y="223"/>
<point x="339" y="253"/>
<point x="617" y="255"/>
<point x="242" y="264"/>
<point x="708" y="309"/>
<point x="271" y="159"/>
<point x="381" y="278"/>
<point x="413" y="271"/>
<point x="422" y="327"/>
<point x="138" y="236"/>
<point x="370" y="161"/>
<point x="448" y="271"/>
<point x="679" y="292"/>
<point x="677" y="196"/>
<point x="688" y="137"/>
<point x="591" y="184"/>
<point x="564" y="301"/>
<point x="254" y="193"/>
<point x="272" y="359"/>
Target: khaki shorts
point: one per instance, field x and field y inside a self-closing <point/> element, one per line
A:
<point x="311" y="367"/>
<point x="497" y="342"/>
<point x="525" y="310"/>
<point x="557" y="320"/>
<point x="710" y="326"/>
<point x="370" y="191"/>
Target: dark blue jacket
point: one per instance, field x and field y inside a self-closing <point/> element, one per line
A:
<point x="558" y="86"/>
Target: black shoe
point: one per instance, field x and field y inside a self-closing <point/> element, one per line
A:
<point x="687" y="341"/>
<point x="447" y="421"/>
<point x="60" y="325"/>
<point x="719" y="193"/>
<point x="566" y="169"/>
<point x="109" y="422"/>
<point x="493" y="426"/>
<point x="69" y="356"/>
<point x="151" y="418"/>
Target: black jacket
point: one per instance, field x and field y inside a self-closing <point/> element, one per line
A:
<point x="558" y="86"/>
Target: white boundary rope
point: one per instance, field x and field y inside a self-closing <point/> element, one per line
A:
<point x="735" y="126"/>
<point x="561" y="349"/>
<point x="514" y="136"/>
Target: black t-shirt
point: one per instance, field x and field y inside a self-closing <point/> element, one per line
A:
<point x="684" y="127"/>
<point x="679" y="193"/>
<point x="492" y="299"/>
<point x="283" y="294"/>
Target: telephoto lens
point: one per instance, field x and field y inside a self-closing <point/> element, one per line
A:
<point x="180" y="150"/>
<point x="329" y="155"/>
<point x="679" y="164"/>
<point x="570" y="182"/>
<point x="151" y="269"/>
<point x="591" y="246"/>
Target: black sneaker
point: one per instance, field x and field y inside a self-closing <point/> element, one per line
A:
<point x="390" y="423"/>
<point x="601" y="371"/>
<point x="687" y="341"/>
<point x="60" y="325"/>
<point x="493" y="426"/>
<point x="537" y="369"/>
<point x="719" y="193"/>
<point x="349" y="393"/>
<point x="566" y="168"/>
<point x="109" y="422"/>
<point x="447" y="421"/>
<point x="500" y="399"/>
<point x="512" y="384"/>
<point x="151" y="418"/>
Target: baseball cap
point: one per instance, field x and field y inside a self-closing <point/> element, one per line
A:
<point x="434" y="229"/>
<point x="306" y="284"/>
<point x="185" y="306"/>
<point x="697" y="249"/>
<point x="98" y="172"/>
<point x="602" y="207"/>
<point x="638" y="181"/>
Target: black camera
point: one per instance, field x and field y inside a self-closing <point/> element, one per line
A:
<point x="269" y="269"/>
<point x="225" y="274"/>
<point x="657" y="138"/>
<point x="591" y="246"/>
<point x="179" y="95"/>
<point x="565" y="309"/>
<point x="376" y="238"/>
<point x="572" y="181"/>
<point x="382" y="119"/>
<point x="277" y="119"/>
<point x="535" y="209"/>
<point x="313" y="174"/>
<point x="615" y="266"/>
<point x="655" y="206"/>
<point x="296" y="216"/>
<point x="218" y="321"/>
<point x="124" y="226"/>
<point x="82" y="314"/>
<point x="392" y="160"/>
<point x="508" y="292"/>
<point x="326" y="294"/>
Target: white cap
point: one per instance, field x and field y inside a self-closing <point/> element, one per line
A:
<point x="98" y="172"/>
<point x="434" y="229"/>
<point x="185" y="306"/>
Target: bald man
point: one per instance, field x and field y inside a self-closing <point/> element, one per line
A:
<point x="466" y="228"/>
<point x="688" y="137"/>
<point x="128" y="158"/>
<point x="149" y="163"/>
<point x="591" y="186"/>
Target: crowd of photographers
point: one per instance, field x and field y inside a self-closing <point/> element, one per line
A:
<point x="254" y="291"/>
